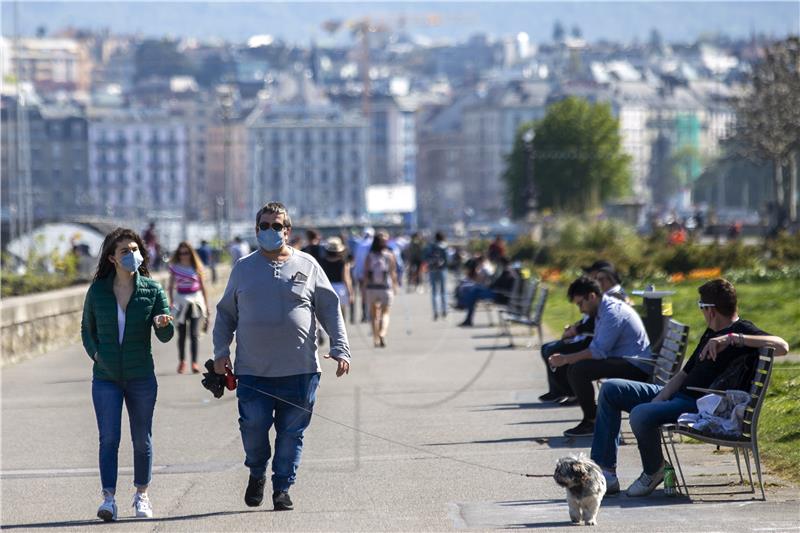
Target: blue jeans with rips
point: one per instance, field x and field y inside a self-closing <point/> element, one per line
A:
<point x="257" y="414"/>
<point x="439" y="291"/>
<point x="646" y="417"/>
<point x="139" y="396"/>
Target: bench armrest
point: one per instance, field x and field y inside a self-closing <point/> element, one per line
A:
<point x="648" y="360"/>
<point x="707" y="391"/>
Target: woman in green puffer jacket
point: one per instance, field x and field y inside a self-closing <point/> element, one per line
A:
<point x="122" y="305"/>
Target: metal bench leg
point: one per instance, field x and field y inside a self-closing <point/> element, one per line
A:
<point x="757" y="460"/>
<point x="530" y="337"/>
<point x="509" y="335"/>
<point x="749" y="472"/>
<point x="678" y="464"/>
<point x="739" y="465"/>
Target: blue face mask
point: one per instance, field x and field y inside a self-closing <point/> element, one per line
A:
<point x="132" y="261"/>
<point x="270" y="240"/>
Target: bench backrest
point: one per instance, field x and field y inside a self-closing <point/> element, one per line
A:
<point x="758" y="391"/>
<point x="521" y="305"/>
<point x="539" y="308"/>
<point x="673" y="350"/>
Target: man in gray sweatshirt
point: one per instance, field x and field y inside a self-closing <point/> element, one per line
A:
<point x="272" y="303"/>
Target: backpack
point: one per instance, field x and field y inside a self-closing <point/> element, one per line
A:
<point x="378" y="268"/>
<point x="437" y="258"/>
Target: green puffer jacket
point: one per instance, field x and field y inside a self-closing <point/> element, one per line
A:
<point x="99" y="328"/>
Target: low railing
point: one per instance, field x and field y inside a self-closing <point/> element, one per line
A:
<point x="34" y="324"/>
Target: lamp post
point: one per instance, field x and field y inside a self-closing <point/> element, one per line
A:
<point x="530" y="189"/>
<point x="225" y="99"/>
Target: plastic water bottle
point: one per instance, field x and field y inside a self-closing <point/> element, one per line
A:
<point x="669" y="481"/>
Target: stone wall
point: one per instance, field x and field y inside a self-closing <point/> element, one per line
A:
<point x="38" y="323"/>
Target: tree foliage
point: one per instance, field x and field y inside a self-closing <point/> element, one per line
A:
<point x="768" y="117"/>
<point x="576" y="161"/>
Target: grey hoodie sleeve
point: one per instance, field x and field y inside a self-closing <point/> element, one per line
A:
<point x="227" y="317"/>
<point x="329" y="313"/>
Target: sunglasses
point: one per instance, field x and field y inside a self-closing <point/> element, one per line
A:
<point x="701" y="304"/>
<point x="277" y="226"/>
<point x="184" y="252"/>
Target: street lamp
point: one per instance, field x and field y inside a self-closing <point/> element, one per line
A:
<point x="530" y="189"/>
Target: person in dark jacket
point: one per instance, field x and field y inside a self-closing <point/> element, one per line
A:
<point x="122" y="305"/>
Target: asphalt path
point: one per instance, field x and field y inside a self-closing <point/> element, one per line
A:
<point x="433" y="433"/>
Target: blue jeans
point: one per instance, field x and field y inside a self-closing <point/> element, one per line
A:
<point x="258" y="412"/>
<point x="470" y="297"/>
<point x="438" y="287"/>
<point x="140" y="400"/>
<point x="634" y="397"/>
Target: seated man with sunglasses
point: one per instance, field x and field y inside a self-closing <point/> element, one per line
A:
<point x="726" y="339"/>
<point x="273" y="300"/>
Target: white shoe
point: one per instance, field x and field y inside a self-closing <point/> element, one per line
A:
<point x="108" y="509"/>
<point x="142" y="505"/>
<point x="646" y="484"/>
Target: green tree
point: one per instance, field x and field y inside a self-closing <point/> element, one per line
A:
<point x="575" y="160"/>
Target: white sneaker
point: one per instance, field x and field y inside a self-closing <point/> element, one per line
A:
<point x="646" y="484"/>
<point x="142" y="505"/>
<point x="108" y="509"/>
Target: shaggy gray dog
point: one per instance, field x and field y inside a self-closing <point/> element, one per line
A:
<point x="585" y="486"/>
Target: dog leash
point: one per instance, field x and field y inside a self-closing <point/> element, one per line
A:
<point x="396" y="442"/>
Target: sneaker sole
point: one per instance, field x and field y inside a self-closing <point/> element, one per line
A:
<point x="105" y="516"/>
<point x="283" y="508"/>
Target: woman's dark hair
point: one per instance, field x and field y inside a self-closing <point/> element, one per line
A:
<point x="378" y="243"/>
<point x="583" y="286"/>
<point x="104" y="267"/>
<point x="196" y="263"/>
<point x="722" y="294"/>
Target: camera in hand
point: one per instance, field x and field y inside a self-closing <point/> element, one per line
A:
<point x="212" y="381"/>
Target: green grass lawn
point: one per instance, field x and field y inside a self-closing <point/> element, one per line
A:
<point x="779" y="425"/>
<point x="773" y="306"/>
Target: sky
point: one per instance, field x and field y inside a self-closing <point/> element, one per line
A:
<point x="301" y="22"/>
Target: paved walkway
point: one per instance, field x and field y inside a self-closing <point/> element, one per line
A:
<point x="438" y="389"/>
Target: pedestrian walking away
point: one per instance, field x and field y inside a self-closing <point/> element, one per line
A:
<point x="272" y="303"/>
<point x="436" y="258"/>
<point x="122" y="305"/>
<point x="206" y="255"/>
<point x="188" y="301"/>
<point x="380" y="279"/>
<point x="337" y="269"/>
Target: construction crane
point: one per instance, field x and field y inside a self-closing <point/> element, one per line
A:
<point x="361" y="28"/>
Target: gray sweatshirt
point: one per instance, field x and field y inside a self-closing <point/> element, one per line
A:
<point x="273" y="309"/>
